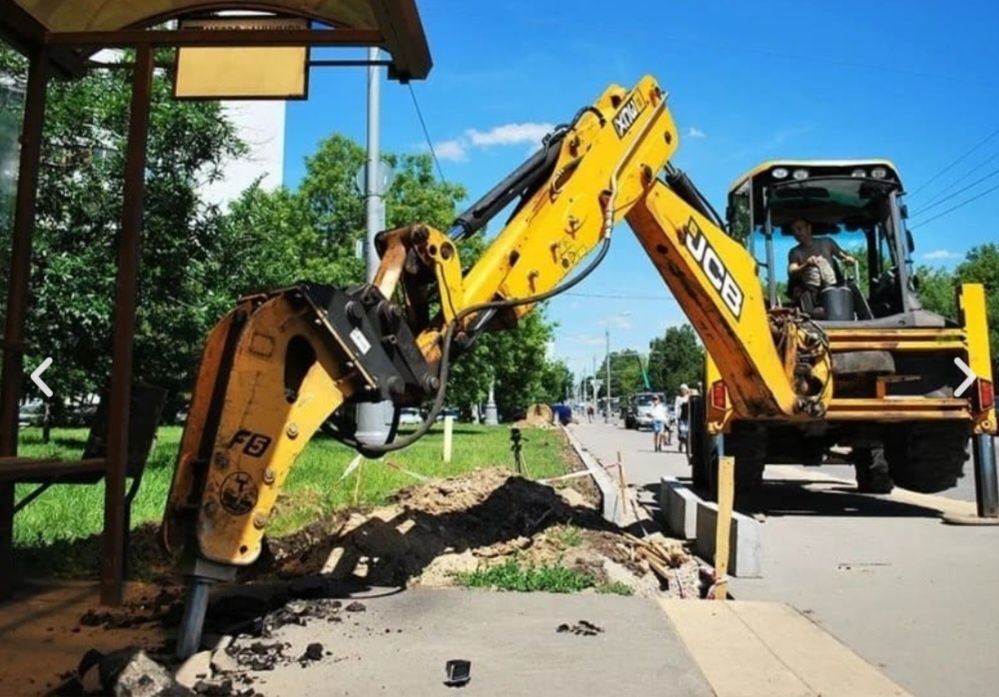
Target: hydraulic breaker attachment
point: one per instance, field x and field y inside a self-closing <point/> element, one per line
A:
<point x="273" y="371"/>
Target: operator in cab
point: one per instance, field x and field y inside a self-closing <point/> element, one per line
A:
<point x="810" y="263"/>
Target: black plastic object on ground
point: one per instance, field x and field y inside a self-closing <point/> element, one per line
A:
<point x="459" y="673"/>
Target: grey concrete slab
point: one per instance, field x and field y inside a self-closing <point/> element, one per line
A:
<point x="745" y="540"/>
<point x="610" y="490"/>
<point x="402" y="641"/>
<point x="908" y="593"/>
<point x="679" y="508"/>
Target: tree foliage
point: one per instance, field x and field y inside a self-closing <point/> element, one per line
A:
<point x="275" y="238"/>
<point x="196" y="260"/>
<point x="79" y="222"/>
<point x="676" y="358"/>
<point x="625" y="374"/>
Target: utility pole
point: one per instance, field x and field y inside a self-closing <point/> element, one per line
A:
<point x="371" y="417"/>
<point x="593" y="384"/>
<point x="608" y="410"/>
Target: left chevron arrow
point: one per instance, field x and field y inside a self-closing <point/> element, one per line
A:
<point x="36" y="377"/>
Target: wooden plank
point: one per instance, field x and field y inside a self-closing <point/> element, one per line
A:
<point x="734" y="661"/>
<point x="824" y="664"/>
<point x="760" y="649"/>
<point x="35" y="470"/>
<point x="723" y="528"/>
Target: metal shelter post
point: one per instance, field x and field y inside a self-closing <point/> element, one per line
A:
<point x="17" y="293"/>
<point x="371" y="416"/>
<point x="126" y="290"/>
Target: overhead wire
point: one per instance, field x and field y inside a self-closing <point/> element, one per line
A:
<point x="610" y="296"/>
<point x="941" y="194"/>
<point x="972" y="185"/>
<point x="960" y="158"/>
<point x="959" y="205"/>
<point x="426" y="133"/>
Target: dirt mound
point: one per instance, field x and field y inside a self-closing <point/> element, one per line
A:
<point x="538" y="416"/>
<point x="432" y="531"/>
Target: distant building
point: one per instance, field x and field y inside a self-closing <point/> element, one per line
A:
<point x="260" y="124"/>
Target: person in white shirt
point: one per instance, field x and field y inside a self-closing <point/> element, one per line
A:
<point x="681" y="411"/>
<point x="659" y="418"/>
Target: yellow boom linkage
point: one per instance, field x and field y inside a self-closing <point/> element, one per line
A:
<point x="277" y="367"/>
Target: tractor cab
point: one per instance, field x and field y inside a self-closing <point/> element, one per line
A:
<point x="842" y="223"/>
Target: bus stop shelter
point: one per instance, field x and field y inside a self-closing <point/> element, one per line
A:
<point x="59" y="37"/>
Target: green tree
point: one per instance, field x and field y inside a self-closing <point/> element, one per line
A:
<point x="625" y="374"/>
<point x="556" y="382"/>
<point x="278" y="237"/>
<point x="937" y="288"/>
<point x="675" y="359"/>
<point x="78" y="223"/>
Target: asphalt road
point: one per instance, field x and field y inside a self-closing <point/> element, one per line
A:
<point x="912" y="595"/>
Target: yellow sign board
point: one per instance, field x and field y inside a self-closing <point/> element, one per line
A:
<point x="251" y="72"/>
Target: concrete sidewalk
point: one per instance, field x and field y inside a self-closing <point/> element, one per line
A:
<point x="401" y="643"/>
<point x="688" y="648"/>
<point x="883" y="574"/>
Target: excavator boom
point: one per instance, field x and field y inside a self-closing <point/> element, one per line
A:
<point x="282" y="364"/>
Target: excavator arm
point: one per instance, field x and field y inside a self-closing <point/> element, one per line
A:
<point x="281" y="364"/>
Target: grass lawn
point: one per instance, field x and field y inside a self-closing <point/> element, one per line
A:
<point x="313" y="489"/>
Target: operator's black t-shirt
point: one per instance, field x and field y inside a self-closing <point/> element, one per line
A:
<point x="823" y="247"/>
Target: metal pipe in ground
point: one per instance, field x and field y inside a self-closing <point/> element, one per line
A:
<point x="986" y="480"/>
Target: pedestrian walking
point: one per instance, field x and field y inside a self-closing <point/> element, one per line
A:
<point x="659" y="417"/>
<point x="681" y="407"/>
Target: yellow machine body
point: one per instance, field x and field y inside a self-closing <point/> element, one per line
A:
<point x="248" y="423"/>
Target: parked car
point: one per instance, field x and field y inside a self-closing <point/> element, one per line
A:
<point x="31" y="413"/>
<point x="449" y="411"/>
<point x="410" y="416"/>
<point x="639" y="411"/>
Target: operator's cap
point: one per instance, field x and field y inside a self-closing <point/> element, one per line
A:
<point x="683" y="386"/>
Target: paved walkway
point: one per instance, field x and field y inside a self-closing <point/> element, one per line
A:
<point x="400" y="644"/>
<point x="884" y="575"/>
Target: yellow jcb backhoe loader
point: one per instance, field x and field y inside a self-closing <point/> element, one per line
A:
<point x="900" y="396"/>
<point x="282" y="363"/>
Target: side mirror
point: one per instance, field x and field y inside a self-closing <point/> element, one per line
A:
<point x="903" y="211"/>
<point x="909" y="244"/>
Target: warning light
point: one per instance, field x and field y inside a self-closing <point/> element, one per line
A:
<point x="718" y="396"/>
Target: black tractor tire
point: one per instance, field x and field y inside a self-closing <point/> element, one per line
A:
<point x="747" y="441"/>
<point x="927" y="457"/>
<point x="872" y="471"/>
<point x="698" y="447"/>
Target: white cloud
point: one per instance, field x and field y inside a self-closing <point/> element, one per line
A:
<point x="453" y="150"/>
<point x="457" y="149"/>
<point x="695" y="132"/>
<point x="940" y="254"/>
<point x="510" y="134"/>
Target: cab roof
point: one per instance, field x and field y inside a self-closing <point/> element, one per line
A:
<point x="827" y="167"/>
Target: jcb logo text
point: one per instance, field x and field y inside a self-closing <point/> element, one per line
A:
<point x="716" y="272"/>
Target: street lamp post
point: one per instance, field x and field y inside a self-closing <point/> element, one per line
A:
<point x="371" y="418"/>
<point x="607" y="411"/>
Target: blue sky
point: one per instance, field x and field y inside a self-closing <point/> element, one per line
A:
<point x="915" y="83"/>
